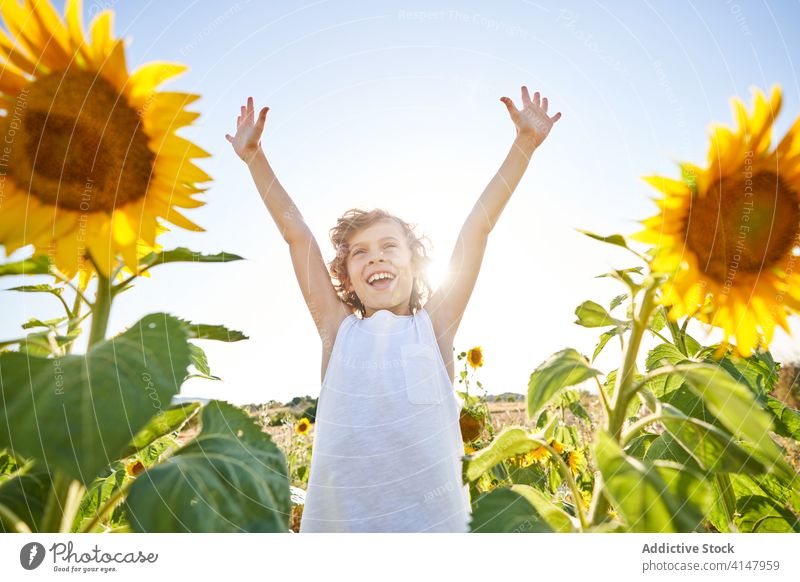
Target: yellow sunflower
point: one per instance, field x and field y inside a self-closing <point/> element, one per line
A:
<point x="302" y="426"/>
<point x="576" y="461"/>
<point x="90" y="159"/>
<point x="475" y="357"/>
<point x="557" y="446"/>
<point x="729" y="235"/>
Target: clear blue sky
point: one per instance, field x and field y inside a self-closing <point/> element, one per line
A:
<point x="396" y="105"/>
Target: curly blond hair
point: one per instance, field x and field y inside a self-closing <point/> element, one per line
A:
<point x="354" y="220"/>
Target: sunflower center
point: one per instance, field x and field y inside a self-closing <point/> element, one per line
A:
<point x="78" y="144"/>
<point x="743" y="225"/>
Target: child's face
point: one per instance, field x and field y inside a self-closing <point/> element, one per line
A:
<point x="381" y="248"/>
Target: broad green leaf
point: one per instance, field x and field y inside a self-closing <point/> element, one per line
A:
<point x="165" y="422"/>
<point x="639" y="445"/>
<point x="735" y="406"/>
<point x="78" y="412"/>
<point x="558" y="519"/>
<point x="562" y="370"/>
<point x="666" y="448"/>
<point x="25" y="494"/>
<point x="184" y="255"/>
<point x="507" y="510"/>
<point x="645" y="497"/>
<point x="714" y="449"/>
<point x="757" y="514"/>
<point x="38" y="265"/>
<point x="212" y="332"/>
<point x="230" y="478"/>
<point x="663" y="355"/>
<point x="509" y="442"/>
<point x="787" y="420"/>
<point x="759" y="371"/>
<point x="591" y="314"/>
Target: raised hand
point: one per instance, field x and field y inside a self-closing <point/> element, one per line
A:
<point x="247" y="140"/>
<point x="532" y="120"/>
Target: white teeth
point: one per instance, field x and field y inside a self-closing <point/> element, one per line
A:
<point x="377" y="276"/>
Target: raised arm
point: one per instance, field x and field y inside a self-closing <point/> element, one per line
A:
<point x="446" y="306"/>
<point x="326" y="308"/>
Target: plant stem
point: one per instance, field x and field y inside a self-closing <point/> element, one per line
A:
<point x="640" y="424"/>
<point x="72" y="505"/>
<point x="727" y="498"/>
<point x="677" y="336"/>
<point x="622" y="392"/>
<point x="63" y="278"/>
<point x="12" y="521"/>
<point x="603" y="397"/>
<point x="56" y="502"/>
<point x="101" y="310"/>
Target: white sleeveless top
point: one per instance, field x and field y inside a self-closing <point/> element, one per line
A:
<point x="387" y="443"/>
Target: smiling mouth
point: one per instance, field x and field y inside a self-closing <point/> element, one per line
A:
<point x="381" y="281"/>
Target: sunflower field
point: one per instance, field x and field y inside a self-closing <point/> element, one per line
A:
<point x="689" y="437"/>
<point x="687" y="443"/>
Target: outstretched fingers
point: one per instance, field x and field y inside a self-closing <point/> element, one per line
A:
<point x="512" y="109"/>
<point x="526" y="97"/>
<point x="556" y="117"/>
<point x="262" y="118"/>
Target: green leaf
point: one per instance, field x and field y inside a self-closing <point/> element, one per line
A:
<point x="510" y="442"/>
<point x="639" y="445"/>
<point x="508" y="510"/>
<point x="99" y="492"/>
<point x="163" y="423"/>
<point x="759" y="371"/>
<point x="78" y="412"/>
<point x="39" y="265"/>
<point x="212" y="332"/>
<point x="48" y="324"/>
<point x="25" y="493"/>
<point x="200" y="361"/>
<point x="757" y="514"/>
<point x="604" y="337"/>
<point x="714" y="449"/>
<point x="787" y="420"/>
<point x="735" y="406"/>
<point x="562" y="370"/>
<point x="617" y="301"/>
<point x="658" y="321"/>
<point x="43" y="288"/>
<point x="591" y="314"/>
<point x="652" y="497"/>
<point x="613" y="239"/>
<point x="230" y="478"/>
<point x="184" y="255"/>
